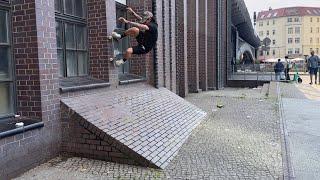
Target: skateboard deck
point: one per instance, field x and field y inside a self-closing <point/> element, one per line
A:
<point x="116" y="47"/>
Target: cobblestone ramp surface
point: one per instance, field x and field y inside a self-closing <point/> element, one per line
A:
<point x="152" y="123"/>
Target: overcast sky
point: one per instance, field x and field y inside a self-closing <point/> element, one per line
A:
<point x="258" y="5"/>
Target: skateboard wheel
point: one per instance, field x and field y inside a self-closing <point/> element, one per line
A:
<point x="109" y="37"/>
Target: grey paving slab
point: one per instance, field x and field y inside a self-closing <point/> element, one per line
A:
<point x="302" y="117"/>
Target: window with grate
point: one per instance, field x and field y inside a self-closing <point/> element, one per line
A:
<point x="6" y="64"/>
<point x="72" y="43"/>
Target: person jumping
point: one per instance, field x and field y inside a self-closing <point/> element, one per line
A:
<point x="145" y="32"/>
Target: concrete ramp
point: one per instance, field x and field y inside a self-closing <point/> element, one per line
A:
<point x="147" y="125"/>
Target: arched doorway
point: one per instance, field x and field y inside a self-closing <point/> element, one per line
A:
<point x="247" y="58"/>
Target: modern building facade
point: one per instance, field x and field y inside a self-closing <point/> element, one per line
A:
<point x="55" y="74"/>
<point x="293" y="31"/>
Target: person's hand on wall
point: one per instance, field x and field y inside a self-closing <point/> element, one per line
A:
<point x="130" y="10"/>
<point x="123" y="20"/>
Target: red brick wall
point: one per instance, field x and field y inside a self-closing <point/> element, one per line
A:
<point x="203" y="45"/>
<point x="212" y="57"/>
<point x="99" y="47"/>
<point x="180" y="49"/>
<point x="193" y="66"/>
<point x="26" y="56"/>
<point x="79" y="141"/>
<point x="37" y="73"/>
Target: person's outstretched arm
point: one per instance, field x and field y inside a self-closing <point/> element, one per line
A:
<point x="129" y="9"/>
<point x="138" y="25"/>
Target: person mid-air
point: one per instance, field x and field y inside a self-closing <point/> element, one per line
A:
<point x="145" y="32"/>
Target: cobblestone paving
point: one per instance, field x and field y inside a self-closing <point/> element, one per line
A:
<point x="239" y="141"/>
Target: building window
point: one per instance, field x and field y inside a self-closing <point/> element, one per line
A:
<point x="260" y="24"/>
<point x="6" y="67"/>
<point x="290" y="30"/>
<point x="268" y="33"/>
<point x="310" y="19"/>
<point x="273" y="52"/>
<point x="274" y="22"/>
<point x="71" y="31"/>
<point x="297" y="30"/>
<point x="289" y="40"/>
<point x="289" y="19"/>
<point x="296" y="19"/>
<point x="274" y="42"/>
<point x="311" y="30"/>
<point x="311" y="40"/>
<point x="318" y="19"/>
<point x="297" y="51"/>
<point x="318" y="40"/>
<point x="268" y="53"/>
<point x="290" y="51"/>
<point x="121" y="11"/>
<point x="318" y="29"/>
<point x="267" y="23"/>
<point x="297" y="40"/>
<point x="261" y="33"/>
<point x="317" y="50"/>
<point x="273" y="32"/>
<point x="261" y="53"/>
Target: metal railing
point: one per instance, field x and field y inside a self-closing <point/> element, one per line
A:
<point x="253" y="72"/>
<point x="261" y="72"/>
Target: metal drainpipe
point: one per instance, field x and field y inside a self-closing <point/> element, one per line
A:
<point x="155" y="60"/>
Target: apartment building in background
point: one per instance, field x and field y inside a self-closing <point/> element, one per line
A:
<point x="293" y="31"/>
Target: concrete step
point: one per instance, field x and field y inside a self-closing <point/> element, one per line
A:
<point x="273" y="92"/>
<point x="265" y="89"/>
<point x="139" y="125"/>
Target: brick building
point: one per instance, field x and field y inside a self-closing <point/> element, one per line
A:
<point x="55" y="73"/>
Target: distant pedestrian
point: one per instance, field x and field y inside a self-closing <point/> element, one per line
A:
<point x="288" y="68"/>
<point x="278" y="69"/>
<point x="313" y="63"/>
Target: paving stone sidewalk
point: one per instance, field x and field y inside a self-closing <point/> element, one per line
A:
<point x="300" y="107"/>
<point x="239" y="141"/>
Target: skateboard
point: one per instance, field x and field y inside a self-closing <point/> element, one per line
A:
<point x="116" y="46"/>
